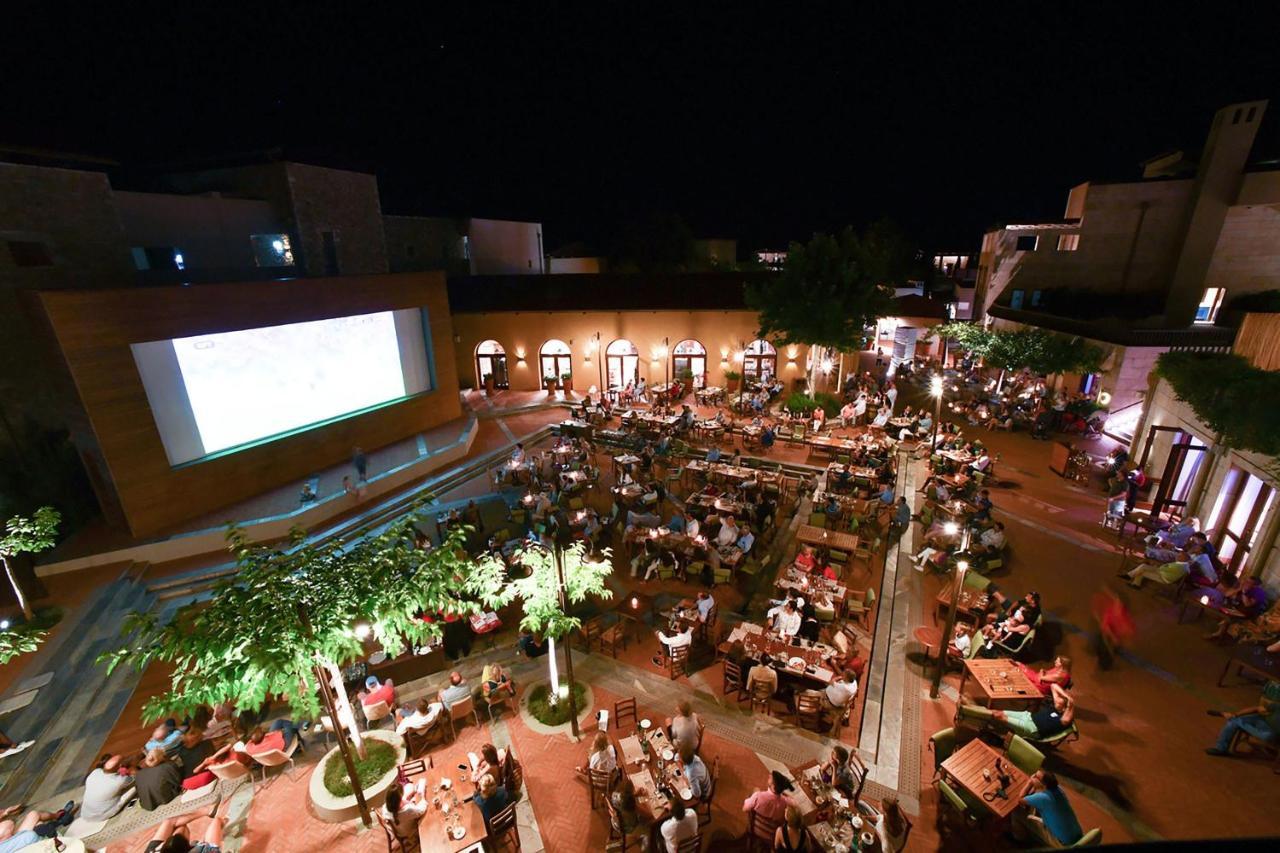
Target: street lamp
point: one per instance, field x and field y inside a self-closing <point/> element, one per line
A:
<point x="962" y="566"/>
<point x="936" y="389"/>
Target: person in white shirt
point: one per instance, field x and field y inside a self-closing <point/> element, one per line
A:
<point x="517" y="455"/>
<point x="892" y="394"/>
<point x="423" y="716"/>
<point x="728" y="534"/>
<point x="691" y="527"/>
<point x="681" y="826"/>
<point x="981" y="464"/>
<point x="859" y="408"/>
<point x="704" y="604"/>
<point x="992" y="539"/>
<point x="603" y="757"/>
<point x="106" y="791"/>
<point x="787" y="623"/>
<point x="675" y="640"/>
<point x="840" y="694"/>
<point x="762" y="673"/>
<point x="882" y="417"/>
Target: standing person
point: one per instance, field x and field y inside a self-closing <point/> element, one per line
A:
<point x="1113" y="625"/>
<point x="361" y="464"/>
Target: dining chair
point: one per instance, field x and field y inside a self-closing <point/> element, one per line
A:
<point x="953" y="805"/>
<point x="613" y="637"/>
<point x="761" y="831"/>
<point x="276" y="758"/>
<point x="859" y="606"/>
<point x="229" y="771"/>
<point x="416" y="767"/>
<point x="762" y="697"/>
<point x="1023" y="755"/>
<point x="690" y="845"/>
<point x="499" y="698"/>
<point x="503" y="832"/>
<point x="600" y="784"/>
<point x="375" y="713"/>
<point x="677" y="662"/>
<point x="418" y="740"/>
<point x="733" y="680"/>
<point x="459" y="711"/>
<point x="396" y="843"/>
<point x="942" y="743"/>
<point x="809" y="707"/>
<point x="618" y="839"/>
<point x="624" y="708"/>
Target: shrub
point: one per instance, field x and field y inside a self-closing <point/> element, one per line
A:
<point x="801" y="402"/>
<point x="379" y="758"/>
<point x="557" y="714"/>
<point x="1232" y="397"/>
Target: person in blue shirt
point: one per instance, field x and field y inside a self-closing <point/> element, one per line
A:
<point x="491" y="798"/>
<point x="165" y="736"/>
<point x="886" y="496"/>
<point x="767" y="437"/>
<point x="713" y="455"/>
<point x="34" y="827"/>
<point x="832" y="509"/>
<point x="1054" y="822"/>
<point x="676" y="524"/>
<point x="746" y="540"/>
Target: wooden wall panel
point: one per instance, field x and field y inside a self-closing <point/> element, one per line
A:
<point x="94" y="329"/>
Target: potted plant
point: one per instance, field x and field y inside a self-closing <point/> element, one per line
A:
<point x="549" y="382"/>
<point x="488" y="384"/>
<point x="566" y="381"/>
<point x="731" y="378"/>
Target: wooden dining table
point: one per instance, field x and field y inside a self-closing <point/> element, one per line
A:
<point x="973" y="603"/>
<point x="838" y="539"/>
<point x="650" y="771"/>
<point x="1000" y="682"/>
<point x="965" y="768"/>
<point x="757" y="641"/>
<point x="434" y="827"/>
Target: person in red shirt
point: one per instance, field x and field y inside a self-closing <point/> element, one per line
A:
<point x="279" y="736"/>
<point x="375" y="692"/>
<point x="773" y="801"/>
<point x="1114" y="625"/>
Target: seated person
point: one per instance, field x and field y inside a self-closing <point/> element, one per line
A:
<point x="886" y="494"/>
<point x="767" y="436"/>
<point x="1261" y="721"/>
<point x="772" y="802"/>
<point x="1007" y="633"/>
<point x="981" y="464"/>
<point x="278" y="737"/>
<point x="840" y="694"/>
<point x="695" y="770"/>
<point x="676" y="639"/>
<point x="962" y="643"/>
<point x="685" y="727"/>
<point x="34" y="827"/>
<point x="842" y="477"/>
<point x="1049" y="720"/>
<point x="422" y="716"/>
<point x="602" y="758"/>
<point x="158" y="780"/>
<point x="457" y="691"/>
<point x="174" y="835"/>
<point x="788" y="621"/>
<point x="704" y="603"/>
<point x="1171" y="572"/>
<point x="746" y="540"/>
<point x="833" y="508"/>
<point x="805" y="560"/>
<point x="676" y="524"/>
<point x="1046" y="817"/>
<point x="1059" y="673"/>
<point x="991" y="541"/>
<point x="661" y="559"/>
<point x="194" y="755"/>
<point x="496" y="684"/>
<point x="531" y="645"/>
<point x="378" y="691"/>
<point x="165" y="737"/>
<point x="1247" y="601"/>
<point x="403" y="808"/>
<point x="763" y="673"/>
<point x="838" y="772"/>
<point x="625" y="811"/>
<point x="491" y="798"/>
<point x="713" y="455"/>
<point x="680" y="826"/>
<point x="107" y="789"/>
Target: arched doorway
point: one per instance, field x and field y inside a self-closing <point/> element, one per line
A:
<point x="622" y="364"/>
<point x="759" y="361"/>
<point x="691" y="356"/>
<point x="491" y="360"/>
<point x="554" y="360"/>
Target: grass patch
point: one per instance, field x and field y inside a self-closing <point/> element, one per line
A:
<point x="381" y="757"/>
<point x="557" y="714"/>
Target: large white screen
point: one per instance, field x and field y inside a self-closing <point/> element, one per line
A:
<point x="254" y="383"/>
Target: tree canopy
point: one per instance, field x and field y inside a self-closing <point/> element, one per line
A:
<point x="249" y="641"/>
<point x="539" y="591"/>
<point x="18" y="641"/>
<point x="27" y="536"/>
<point x="1232" y="397"/>
<point x="1036" y="349"/>
<point x="832" y="288"/>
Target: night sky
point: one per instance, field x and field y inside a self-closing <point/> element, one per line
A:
<point x="758" y="122"/>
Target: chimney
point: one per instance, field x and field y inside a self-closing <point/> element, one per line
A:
<point x="1217" y="184"/>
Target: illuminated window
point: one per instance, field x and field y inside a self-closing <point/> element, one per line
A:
<point x="1015" y="301"/>
<point x="272" y="250"/>
<point x="1027" y="243"/>
<point x="1207" y="311"/>
<point x="1238" y="518"/>
<point x="1068" y="242"/>
<point x="1035" y="298"/>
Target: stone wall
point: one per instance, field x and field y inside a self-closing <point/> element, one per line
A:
<point x="344" y="203"/>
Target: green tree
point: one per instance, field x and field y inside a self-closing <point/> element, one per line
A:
<point x="285" y="610"/>
<point x="556" y="583"/>
<point x="831" y="290"/>
<point x="18" y="641"/>
<point x="1038" y="350"/>
<point x="27" y="536"/>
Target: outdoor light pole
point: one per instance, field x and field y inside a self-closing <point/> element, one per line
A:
<point x="936" y="390"/>
<point x="950" y="626"/>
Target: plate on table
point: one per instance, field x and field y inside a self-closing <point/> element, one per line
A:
<point x="459" y="832"/>
<point x="645" y="724"/>
<point x="668" y="755"/>
<point x="796" y="663"/>
<point x="446" y="784"/>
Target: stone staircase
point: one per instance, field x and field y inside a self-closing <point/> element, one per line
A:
<point x="72" y="715"/>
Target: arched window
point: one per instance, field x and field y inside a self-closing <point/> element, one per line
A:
<point x="689" y="356"/>
<point x="491" y="360"/>
<point x="555" y="360"/>
<point x="759" y="361"/>
<point x="622" y="364"/>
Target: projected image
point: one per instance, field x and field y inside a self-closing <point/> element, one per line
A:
<point x="219" y="391"/>
<point x="254" y="383"/>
